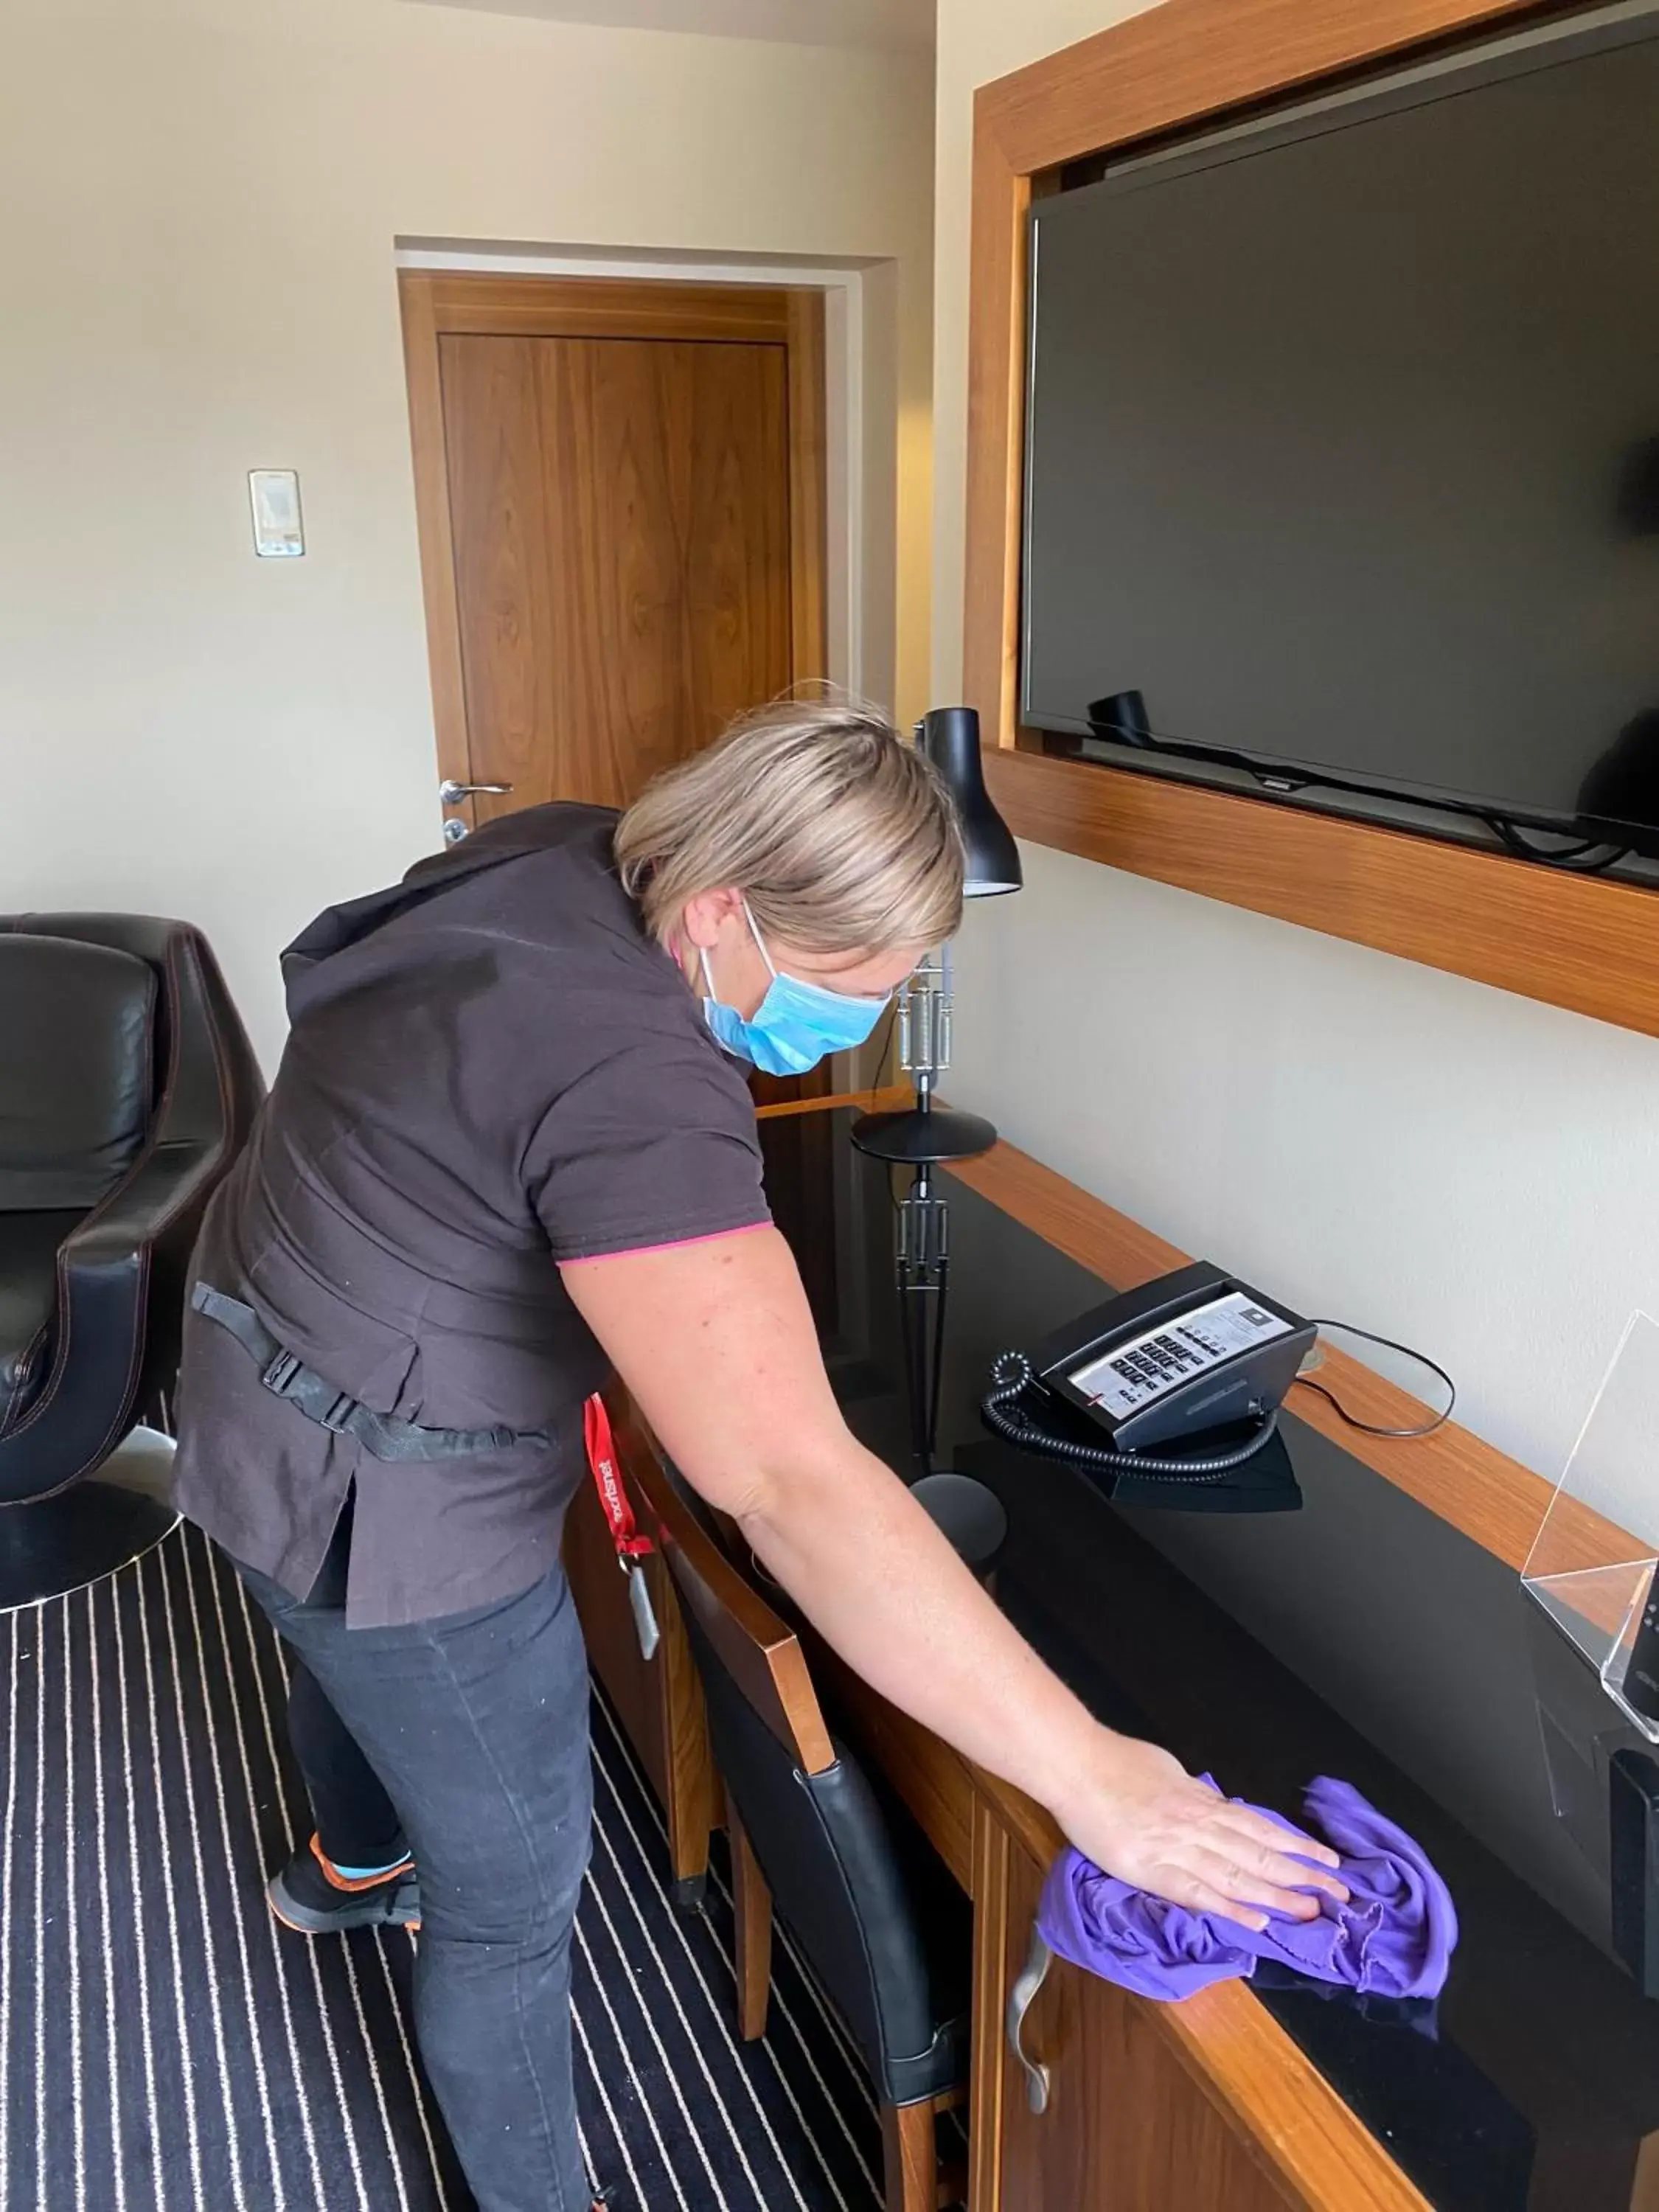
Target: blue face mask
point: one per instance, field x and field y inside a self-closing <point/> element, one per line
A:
<point x="794" y="1026"/>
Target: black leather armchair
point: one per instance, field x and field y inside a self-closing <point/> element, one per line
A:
<point x="127" y="1086"/>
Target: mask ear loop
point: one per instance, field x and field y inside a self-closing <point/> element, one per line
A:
<point x="754" y="931"/>
<point x="708" y="973"/>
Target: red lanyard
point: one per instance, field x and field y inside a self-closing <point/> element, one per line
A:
<point x="607" y="1480"/>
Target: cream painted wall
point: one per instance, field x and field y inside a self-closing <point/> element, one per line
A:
<point x="205" y="198"/>
<point x="1442" y="1162"/>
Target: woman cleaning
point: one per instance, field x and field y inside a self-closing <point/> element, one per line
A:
<point x="510" y="1149"/>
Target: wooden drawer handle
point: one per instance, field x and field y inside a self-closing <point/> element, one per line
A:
<point x="1020" y="2000"/>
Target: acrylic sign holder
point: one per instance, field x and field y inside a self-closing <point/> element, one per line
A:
<point x="1592" y="1566"/>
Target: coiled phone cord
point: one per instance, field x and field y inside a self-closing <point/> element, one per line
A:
<point x="1012" y="1374"/>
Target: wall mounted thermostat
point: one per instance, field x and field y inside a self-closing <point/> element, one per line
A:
<point x="278" y="531"/>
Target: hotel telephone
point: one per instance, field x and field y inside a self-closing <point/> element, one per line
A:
<point x="1179" y="1381"/>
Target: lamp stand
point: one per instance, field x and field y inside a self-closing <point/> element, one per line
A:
<point x="922" y="1263"/>
<point x="917" y="1135"/>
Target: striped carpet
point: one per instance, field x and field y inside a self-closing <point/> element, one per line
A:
<point x="165" y="2047"/>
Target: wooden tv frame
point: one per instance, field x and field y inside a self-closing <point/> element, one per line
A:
<point x="1575" y="941"/>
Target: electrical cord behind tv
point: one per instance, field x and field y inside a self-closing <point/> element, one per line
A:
<point x="1591" y="856"/>
<point x="1588" y="856"/>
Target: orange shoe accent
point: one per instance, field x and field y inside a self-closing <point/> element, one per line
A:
<point x="282" y="1918"/>
<point x="358" y="1883"/>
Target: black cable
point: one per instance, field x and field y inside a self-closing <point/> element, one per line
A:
<point x="1590" y="856"/>
<point x="1508" y="835"/>
<point x="1573" y="860"/>
<point x="1011" y="1375"/>
<point x="1369" y="1428"/>
<point x="881" y="1057"/>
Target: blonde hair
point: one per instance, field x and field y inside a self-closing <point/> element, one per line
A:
<point x="841" y="837"/>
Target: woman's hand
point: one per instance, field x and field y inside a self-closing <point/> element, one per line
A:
<point x="1144" y="1819"/>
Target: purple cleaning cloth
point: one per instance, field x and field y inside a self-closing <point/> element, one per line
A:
<point x="1393" y="1938"/>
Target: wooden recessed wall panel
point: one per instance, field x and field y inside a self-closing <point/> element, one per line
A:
<point x="1573" y="941"/>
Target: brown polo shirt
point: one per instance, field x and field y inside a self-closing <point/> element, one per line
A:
<point x="491" y="1068"/>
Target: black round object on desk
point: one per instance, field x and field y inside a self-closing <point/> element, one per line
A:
<point x="915" y="1135"/>
<point x="967" y="1514"/>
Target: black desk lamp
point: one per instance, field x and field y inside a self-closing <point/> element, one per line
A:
<point x="925" y="1132"/>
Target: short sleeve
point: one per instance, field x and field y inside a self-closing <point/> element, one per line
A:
<point x="654" y="1143"/>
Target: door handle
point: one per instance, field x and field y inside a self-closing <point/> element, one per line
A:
<point x="453" y="794"/>
<point x="1021" y="1997"/>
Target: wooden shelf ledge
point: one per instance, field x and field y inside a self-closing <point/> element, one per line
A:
<point x="1574" y="941"/>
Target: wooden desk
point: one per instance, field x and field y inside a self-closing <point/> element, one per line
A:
<point x="1154" y="2108"/>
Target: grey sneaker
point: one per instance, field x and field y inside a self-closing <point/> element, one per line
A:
<point x="308" y="1896"/>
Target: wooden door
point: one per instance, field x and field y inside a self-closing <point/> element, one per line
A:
<point x="620" y="488"/>
<point x="1128" y="2128"/>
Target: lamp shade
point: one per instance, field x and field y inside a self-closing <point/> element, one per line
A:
<point x="950" y="738"/>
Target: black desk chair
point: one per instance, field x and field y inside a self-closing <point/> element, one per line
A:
<point x="127" y="1086"/>
<point x="885" y="1930"/>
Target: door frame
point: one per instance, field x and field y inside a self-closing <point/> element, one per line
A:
<point x="439" y="303"/>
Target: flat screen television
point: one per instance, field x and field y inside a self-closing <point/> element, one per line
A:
<point x="1342" y="446"/>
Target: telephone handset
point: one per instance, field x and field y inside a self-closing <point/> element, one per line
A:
<point x="1163" y="1366"/>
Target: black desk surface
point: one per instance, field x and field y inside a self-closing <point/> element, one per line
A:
<point x="1355" y="1633"/>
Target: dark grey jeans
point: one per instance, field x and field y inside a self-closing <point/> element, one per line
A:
<point x="468" y="1736"/>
